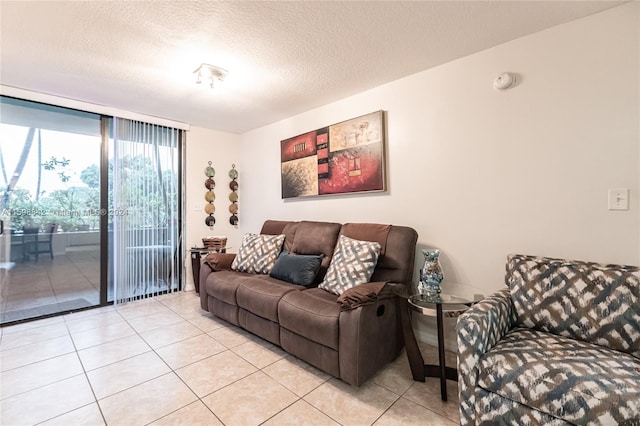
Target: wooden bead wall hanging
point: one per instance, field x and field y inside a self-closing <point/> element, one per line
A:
<point x="233" y="197"/>
<point x="210" y="196"/>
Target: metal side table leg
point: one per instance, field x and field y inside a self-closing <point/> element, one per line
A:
<point x="441" y="354"/>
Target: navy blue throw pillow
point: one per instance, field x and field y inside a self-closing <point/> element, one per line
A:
<point x="298" y="269"/>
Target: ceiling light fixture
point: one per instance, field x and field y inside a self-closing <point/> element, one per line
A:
<point x="209" y="74"/>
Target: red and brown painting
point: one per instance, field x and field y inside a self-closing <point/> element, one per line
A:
<point x="343" y="158"/>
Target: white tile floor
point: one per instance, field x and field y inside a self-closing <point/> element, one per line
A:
<point x="166" y="362"/>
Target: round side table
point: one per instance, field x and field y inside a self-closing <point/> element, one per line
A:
<point x="452" y="303"/>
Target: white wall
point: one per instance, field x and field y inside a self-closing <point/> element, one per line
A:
<point x="638" y="87"/>
<point x="202" y="146"/>
<point x="480" y="173"/>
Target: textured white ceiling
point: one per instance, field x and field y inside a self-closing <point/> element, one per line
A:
<point x="283" y="58"/>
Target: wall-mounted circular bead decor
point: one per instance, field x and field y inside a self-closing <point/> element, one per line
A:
<point x="209" y="196"/>
<point x="233" y="197"/>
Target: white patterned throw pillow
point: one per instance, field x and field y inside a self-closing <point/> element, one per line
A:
<point x="257" y="253"/>
<point x="352" y="264"/>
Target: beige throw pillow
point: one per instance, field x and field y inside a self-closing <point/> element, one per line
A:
<point x="257" y="253"/>
<point x="352" y="264"/>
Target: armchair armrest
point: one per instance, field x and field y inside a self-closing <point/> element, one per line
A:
<point x="478" y="330"/>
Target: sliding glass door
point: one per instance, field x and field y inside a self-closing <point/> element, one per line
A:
<point x="144" y="205"/>
<point x="50" y="210"/>
<point x="90" y="210"/>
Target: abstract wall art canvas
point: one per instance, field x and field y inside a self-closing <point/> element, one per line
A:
<point x="343" y="158"/>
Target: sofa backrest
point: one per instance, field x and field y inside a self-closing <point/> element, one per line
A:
<point x="397" y="253"/>
<point x="583" y="300"/>
<point x="398" y="244"/>
<point x="277" y="227"/>
<point x="307" y="237"/>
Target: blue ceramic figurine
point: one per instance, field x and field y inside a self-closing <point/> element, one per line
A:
<point x="431" y="274"/>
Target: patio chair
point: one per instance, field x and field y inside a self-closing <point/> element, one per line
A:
<point x="36" y="243"/>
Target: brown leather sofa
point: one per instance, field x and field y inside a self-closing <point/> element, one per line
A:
<point x="350" y="343"/>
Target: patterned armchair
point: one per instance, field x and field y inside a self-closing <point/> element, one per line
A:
<point x="560" y="345"/>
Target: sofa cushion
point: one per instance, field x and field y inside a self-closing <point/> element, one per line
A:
<point x="261" y="294"/>
<point x="223" y="285"/>
<point x="583" y="300"/>
<point x="257" y="253"/>
<point x="576" y="381"/>
<point x="352" y="264"/>
<point x="300" y="269"/>
<point x="311" y="313"/>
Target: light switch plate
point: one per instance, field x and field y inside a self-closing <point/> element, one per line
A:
<point x="619" y="199"/>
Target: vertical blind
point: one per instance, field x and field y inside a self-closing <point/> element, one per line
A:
<point x="144" y="209"/>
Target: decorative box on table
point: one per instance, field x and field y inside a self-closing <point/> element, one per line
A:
<point x="214" y="243"/>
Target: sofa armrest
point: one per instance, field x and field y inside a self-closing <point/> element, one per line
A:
<point x="360" y="295"/>
<point x="370" y="337"/>
<point x="220" y="261"/>
<point x="212" y="262"/>
<point x="478" y="330"/>
<point x="368" y="293"/>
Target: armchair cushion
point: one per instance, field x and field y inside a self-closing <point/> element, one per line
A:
<point x="561" y="377"/>
<point x="496" y="410"/>
<point x="583" y="300"/>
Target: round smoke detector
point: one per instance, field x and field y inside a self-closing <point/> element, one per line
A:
<point x="504" y="81"/>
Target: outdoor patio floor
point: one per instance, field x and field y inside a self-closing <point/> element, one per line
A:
<point x="35" y="288"/>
